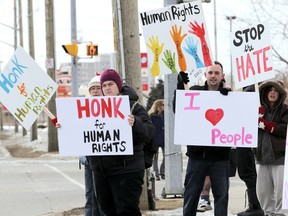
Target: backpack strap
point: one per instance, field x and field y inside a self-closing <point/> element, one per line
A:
<point x="133" y="106"/>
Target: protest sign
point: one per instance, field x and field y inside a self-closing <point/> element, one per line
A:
<point x="285" y="182"/>
<point x="25" y="88"/>
<point x="94" y="126"/>
<point x="207" y="118"/>
<point x="177" y="39"/>
<point x="251" y="52"/>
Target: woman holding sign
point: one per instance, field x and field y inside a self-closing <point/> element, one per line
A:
<point x="270" y="154"/>
<point x="119" y="179"/>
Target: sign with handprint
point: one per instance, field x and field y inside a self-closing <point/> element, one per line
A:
<point x="177" y="40"/>
<point x="207" y="118"/>
<point x="285" y="181"/>
<point x="252" y="58"/>
<point x="25" y="88"/>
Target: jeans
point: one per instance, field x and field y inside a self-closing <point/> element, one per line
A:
<point x="196" y="172"/>
<point x="119" y="195"/>
<point x="91" y="205"/>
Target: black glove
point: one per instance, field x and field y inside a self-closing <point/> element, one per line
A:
<point x="224" y="91"/>
<point x="182" y="79"/>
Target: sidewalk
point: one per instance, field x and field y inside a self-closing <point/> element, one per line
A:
<point x="236" y="200"/>
<point x="174" y="205"/>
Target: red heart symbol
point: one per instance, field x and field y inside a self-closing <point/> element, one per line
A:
<point x="214" y="116"/>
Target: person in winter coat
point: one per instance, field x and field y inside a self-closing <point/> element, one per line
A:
<point x="206" y="161"/>
<point x="156" y="114"/>
<point x="270" y="152"/>
<point x="245" y="164"/>
<point x="119" y="179"/>
<point x="91" y="205"/>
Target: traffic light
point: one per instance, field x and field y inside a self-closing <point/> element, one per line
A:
<point x="71" y="49"/>
<point x="91" y="49"/>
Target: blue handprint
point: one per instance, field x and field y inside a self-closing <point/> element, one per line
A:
<point x="192" y="50"/>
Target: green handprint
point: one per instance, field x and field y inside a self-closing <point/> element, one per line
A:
<point x="169" y="60"/>
<point x="156" y="50"/>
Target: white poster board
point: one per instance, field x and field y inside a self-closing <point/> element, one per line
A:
<point x="176" y="37"/>
<point x="285" y="181"/>
<point x="94" y="126"/>
<point x="25" y="88"/>
<point x="208" y="118"/>
<point x="252" y="59"/>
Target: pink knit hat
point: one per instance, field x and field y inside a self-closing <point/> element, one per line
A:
<point x="111" y="74"/>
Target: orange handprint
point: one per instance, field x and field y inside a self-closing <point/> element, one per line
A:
<point x="199" y="31"/>
<point x="156" y="50"/>
<point x="177" y="38"/>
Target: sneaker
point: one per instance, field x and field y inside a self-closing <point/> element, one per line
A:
<point x="157" y="178"/>
<point x="204" y="205"/>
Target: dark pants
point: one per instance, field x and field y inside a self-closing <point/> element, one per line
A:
<point x="119" y="195"/>
<point x="246" y="167"/>
<point x="196" y="172"/>
<point x="91" y="205"/>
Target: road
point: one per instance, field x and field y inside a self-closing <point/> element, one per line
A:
<point x="34" y="187"/>
<point x="45" y="184"/>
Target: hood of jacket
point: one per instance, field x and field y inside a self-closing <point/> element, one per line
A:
<point x="265" y="87"/>
<point x="127" y="90"/>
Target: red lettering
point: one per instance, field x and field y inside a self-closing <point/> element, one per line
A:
<point x="95" y="107"/>
<point x="258" y="60"/>
<point x="266" y="69"/>
<point x="243" y="72"/>
<point x="83" y="108"/>
<point x="240" y="67"/>
<point x="249" y="65"/>
<point x="116" y="108"/>
<point x="106" y="107"/>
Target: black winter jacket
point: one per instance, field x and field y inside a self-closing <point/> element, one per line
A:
<point x="204" y="152"/>
<point x="158" y="121"/>
<point x="142" y="130"/>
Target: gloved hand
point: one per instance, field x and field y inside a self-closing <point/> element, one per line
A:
<point x="182" y="79"/>
<point x="266" y="125"/>
<point x="54" y="121"/>
<point x="224" y="91"/>
<point x="261" y="111"/>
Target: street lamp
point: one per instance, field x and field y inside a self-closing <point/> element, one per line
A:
<point x="231" y="18"/>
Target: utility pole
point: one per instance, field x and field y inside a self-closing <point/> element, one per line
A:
<point x="16" y="129"/>
<point x="33" y="135"/>
<point x="74" y="60"/>
<point x="231" y="18"/>
<point x="127" y="45"/>
<point x="24" y="131"/>
<point x="50" y="53"/>
<point x="126" y="26"/>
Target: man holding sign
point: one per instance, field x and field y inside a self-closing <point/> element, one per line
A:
<point x="119" y="179"/>
<point x="206" y="161"/>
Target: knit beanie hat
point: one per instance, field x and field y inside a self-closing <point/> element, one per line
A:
<point x="95" y="81"/>
<point x="111" y="75"/>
